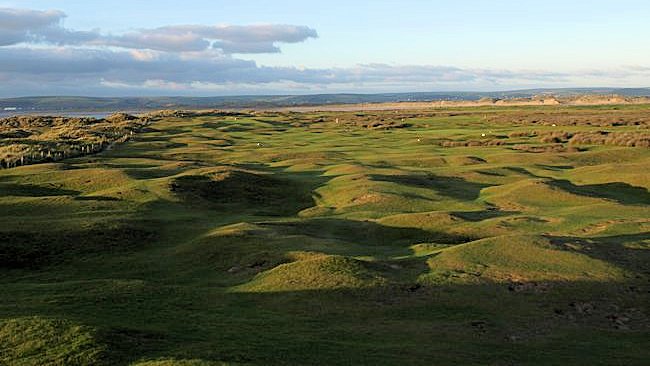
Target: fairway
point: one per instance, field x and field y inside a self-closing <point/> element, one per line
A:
<point x="512" y="235"/>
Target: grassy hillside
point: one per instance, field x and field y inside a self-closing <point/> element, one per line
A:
<point x="85" y="104"/>
<point x="501" y="236"/>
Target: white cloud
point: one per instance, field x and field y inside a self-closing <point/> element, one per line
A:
<point x="32" y="26"/>
<point x="38" y="55"/>
<point x="143" y="70"/>
<point x="26" y="19"/>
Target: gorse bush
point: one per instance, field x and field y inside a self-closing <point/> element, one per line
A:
<point x="630" y="139"/>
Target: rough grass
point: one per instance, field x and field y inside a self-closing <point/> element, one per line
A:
<point x="517" y="259"/>
<point x="28" y="140"/>
<point x="41" y="341"/>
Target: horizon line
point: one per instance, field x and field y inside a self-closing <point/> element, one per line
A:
<point x="337" y="93"/>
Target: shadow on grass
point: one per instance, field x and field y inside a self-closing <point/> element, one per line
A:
<point x="186" y="315"/>
<point x="631" y="252"/>
<point x="37" y="249"/>
<point x="29" y="190"/>
<point x="96" y="198"/>
<point x="364" y="232"/>
<point x="476" y="216"/>
<point x="265" y="192"/>
<point x="522" y="171"/>
<point x="453" y="187"/>
<point x="555" y="167"/>
<point x="620" y="192"/>
<point x="569" y="322"/>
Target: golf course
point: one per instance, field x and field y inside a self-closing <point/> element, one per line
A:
<point x="488" y="235"/>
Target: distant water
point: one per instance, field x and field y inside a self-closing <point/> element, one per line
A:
<point x="94" y="114"/>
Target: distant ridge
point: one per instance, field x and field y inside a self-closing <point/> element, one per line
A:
<point x="38" y="104"/>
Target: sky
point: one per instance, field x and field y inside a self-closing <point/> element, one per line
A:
<point x="203" y="48"/>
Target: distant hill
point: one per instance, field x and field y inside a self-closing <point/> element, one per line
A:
<point x="75" y="103"/>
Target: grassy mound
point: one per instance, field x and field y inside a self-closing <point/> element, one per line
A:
<point x="42" y="341"/>
<point x="534" y="194"/>
<point x="621" y="172"/>
<point x="69" y="180"/>
<point x="516" y="258"/>
<point x="317" y="272"/>
<point x="241" y="247"/>
<point x="261" y="192"/>
<point x="396" y="193"/>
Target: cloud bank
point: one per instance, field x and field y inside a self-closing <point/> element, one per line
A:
<point x="46" y="27"/>
<point x="39" y="55"/>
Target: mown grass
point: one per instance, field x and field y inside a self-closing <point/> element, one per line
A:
<point x="275" y="238"/>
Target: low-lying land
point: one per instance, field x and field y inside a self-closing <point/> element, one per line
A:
<point x="487" y="101"/>
<point x="67" y="104"/>
<point x="487" y="235"/>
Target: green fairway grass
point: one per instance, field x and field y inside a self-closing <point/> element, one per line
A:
<point x="467" y="236"/>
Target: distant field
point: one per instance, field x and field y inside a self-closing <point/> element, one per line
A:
<point x="496" y="235"/>
<point x="66" y="105"/>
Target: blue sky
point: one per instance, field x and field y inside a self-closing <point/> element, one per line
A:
<point x="312" y="47"/>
